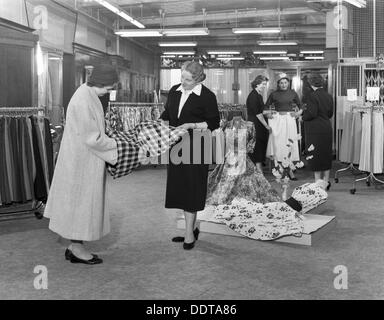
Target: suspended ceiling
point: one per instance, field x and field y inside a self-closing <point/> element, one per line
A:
<point x="302" y="20"/>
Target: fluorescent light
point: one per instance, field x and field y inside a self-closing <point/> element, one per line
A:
<point x="312" y="51"/>
<point x="177" y="44"/>
<point x="230" y="58"/>
<point x="277" y="43"/>
<point x="166" y="56"/>
<point x="270" y="52"/>
<point x="120" y="12"/>
<point x="274" y="58"/>
<point x="314" y="58"/>
<point x="138" y="33"/>
<point x="179" y="53"/>
<point x="223" y="52"/>
<point x="256" y="30"/>
<point x="185" y="32"/>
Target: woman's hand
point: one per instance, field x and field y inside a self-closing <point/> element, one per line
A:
<point x="269" y="129"/>
<point x="187" y="126"/>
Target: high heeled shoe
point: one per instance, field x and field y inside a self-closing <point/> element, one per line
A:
<point x="73" y="259"/>
<point x="328" y="186"/>
<point x="181" y="239"/>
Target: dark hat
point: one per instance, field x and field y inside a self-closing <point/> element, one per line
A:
<point x="103" y="75"/>
<point x="316" y="80"/>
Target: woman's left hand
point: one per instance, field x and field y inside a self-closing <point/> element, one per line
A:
<point x="187" y="126"/>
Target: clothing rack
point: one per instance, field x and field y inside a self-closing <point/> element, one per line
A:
<point x="370" y="178"/>
<point x="37" y="206"/>
<point x="351" y="166"/>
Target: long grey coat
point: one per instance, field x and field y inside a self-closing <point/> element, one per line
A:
<point x="76" y="200"/>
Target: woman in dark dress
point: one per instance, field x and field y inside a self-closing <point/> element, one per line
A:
<point x="255" y="108"/>
<point x="192" y="106"/>
<point x="318" y="128"/>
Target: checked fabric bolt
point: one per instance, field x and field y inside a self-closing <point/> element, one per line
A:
<point x="154" y="137"/>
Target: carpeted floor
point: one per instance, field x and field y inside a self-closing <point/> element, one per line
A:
<point x="140" y="261"/>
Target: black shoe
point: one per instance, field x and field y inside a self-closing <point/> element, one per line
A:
<point x="293" y="178"/>
<point x="181" y="239"/>
<point x="69" y="252"/>
<point x="74" y="259"/>
<point x="189" y="246"/>
<point x="328" y="186"/>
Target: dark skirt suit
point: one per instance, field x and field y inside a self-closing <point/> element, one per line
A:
<point x="187" y="183"/>
<point x="255" y="106"/>
<point x="318" y="129"/>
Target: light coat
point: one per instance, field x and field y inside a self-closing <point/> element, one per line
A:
<point x="76" y="200"/>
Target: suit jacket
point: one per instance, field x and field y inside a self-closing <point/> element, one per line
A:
<point x="196" y="109"/>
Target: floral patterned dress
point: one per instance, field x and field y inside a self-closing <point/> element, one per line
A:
<point x="238" y="176"/>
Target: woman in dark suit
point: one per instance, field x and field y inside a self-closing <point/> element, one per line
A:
<point x="255" y="108"/>
<point x="192" y="106"/>
<point x="318" y="128"/>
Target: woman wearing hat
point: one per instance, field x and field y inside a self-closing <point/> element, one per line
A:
<point x="318" y="128"/>
<point x="283" y="122"/>
<point x="190" y="105"/>
<point x="255" y="108"/>
<point x="76" y="199"/>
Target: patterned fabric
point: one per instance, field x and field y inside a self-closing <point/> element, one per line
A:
<point x="270" y="220"/>
<point x="153" y="136"/>
<point x="310" y="195"/>
<point x="238" y="176"/>
<point x="259" y="221"/>
<point x="127" y="153"/>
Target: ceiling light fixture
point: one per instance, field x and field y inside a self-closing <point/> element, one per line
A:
<point x="138" y="32"/>
<point x="230" y="58"/>
<point x="223" y="52"/>
<point x="274" y="58"/>
<point x="178" y="44"/>
<point x="313" y="58"/>
<point x="256" y="30"/>
<point x="115" y="9"/>
<point x="270" y="52"/>
<point x="277" y="43"/>
<point x="311" y="51"/>
<point x="168" y="56"/>
<point x="185" y="32"/>
<point x="184" y="53"/>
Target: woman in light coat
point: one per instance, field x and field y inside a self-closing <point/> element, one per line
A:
<point x="76" y="201"/>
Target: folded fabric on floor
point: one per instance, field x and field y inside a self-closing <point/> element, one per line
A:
<point x="153" y="137"/>
<point x="268" y="221"/>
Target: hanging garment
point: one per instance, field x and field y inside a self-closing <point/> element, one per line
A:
<point x="23" y="155"/>
<point x="267" y="221"/>
<point x="238" y="175"/>
<point x="31" y="154"/>
<point x="4" y="174"/>
<point x="40" y="187"/>
<point x="377" y="142"/>
<point x="346" y="147"/>
<point x="9" y="158"/>
<point x="48" y="149"/>
<point x="19" y="192"/>
<point x="365" y="152"/>
<point x="283" y="128"/>
<point x="356" y="137"/>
